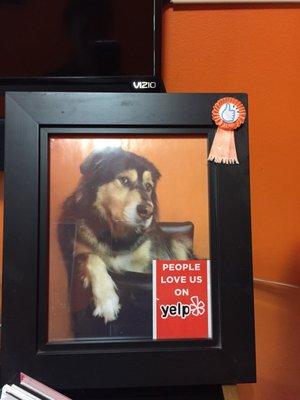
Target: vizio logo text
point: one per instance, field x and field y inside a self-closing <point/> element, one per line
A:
<point x="140" y="85"/>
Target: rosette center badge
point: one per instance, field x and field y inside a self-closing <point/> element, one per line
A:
<point x="229" y="113"/>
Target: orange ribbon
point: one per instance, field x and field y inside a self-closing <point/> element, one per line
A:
<point x="228" y="114"/>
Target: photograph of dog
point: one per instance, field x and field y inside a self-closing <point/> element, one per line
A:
<point x="116" y="203"/>
<point x="109" y="226"/>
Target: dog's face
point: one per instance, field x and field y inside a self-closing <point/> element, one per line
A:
<point x="121" y="188"/>
<point x="127" y="199"/>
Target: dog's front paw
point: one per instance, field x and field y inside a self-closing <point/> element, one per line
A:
<point x="85" y="282"/>
<point x="107" y="307"/>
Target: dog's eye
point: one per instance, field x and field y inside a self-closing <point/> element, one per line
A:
<point x="124" y="180"/>
<point x="149" y="187"/>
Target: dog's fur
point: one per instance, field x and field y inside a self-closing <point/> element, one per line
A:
<point x="109" y="224"/>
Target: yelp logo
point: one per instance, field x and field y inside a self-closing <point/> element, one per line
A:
<point x="195" y="308"/>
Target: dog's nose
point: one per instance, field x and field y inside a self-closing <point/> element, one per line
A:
<point x="145" y="210"/>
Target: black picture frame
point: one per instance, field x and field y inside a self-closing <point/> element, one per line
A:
<point x="2" y="124"/>
<point x="227" y="358"/>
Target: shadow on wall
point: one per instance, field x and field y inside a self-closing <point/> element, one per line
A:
<point x="277" y="323"/>
<point x="293" y="266"/>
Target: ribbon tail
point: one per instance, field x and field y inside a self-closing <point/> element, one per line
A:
<point x="233" y="158"/>
<point x="223" y="149"/>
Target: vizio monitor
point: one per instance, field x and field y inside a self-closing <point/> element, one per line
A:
<point x="87" y="43"/>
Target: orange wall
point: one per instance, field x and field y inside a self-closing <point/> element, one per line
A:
<point x="253" y="49"/>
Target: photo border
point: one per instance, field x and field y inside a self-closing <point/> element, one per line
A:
<point x="106" y="344"/>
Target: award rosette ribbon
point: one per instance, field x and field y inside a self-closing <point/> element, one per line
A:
<point x="228" y="114"/>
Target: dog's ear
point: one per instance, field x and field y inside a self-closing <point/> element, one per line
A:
<point x="98" y="159"/>
<point x="156" y="174"/>
<point x="92" y="162"/>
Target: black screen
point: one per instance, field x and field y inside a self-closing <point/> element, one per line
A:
<point x="61" y="38"/>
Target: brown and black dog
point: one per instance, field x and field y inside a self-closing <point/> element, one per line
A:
<point x="109" y="224"/>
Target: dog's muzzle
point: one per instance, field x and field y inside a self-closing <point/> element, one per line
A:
<point x="145" y="210"/>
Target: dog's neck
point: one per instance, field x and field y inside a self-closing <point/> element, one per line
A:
<point x="121" y="244"/>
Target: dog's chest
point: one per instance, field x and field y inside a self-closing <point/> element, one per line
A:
<point x="138" y="260"/>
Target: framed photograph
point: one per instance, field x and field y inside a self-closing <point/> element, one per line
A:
<point x="124" y="245"/>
